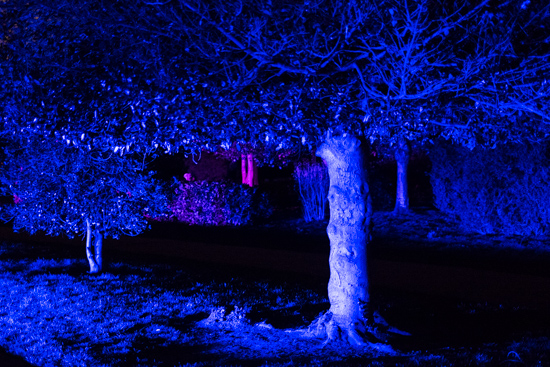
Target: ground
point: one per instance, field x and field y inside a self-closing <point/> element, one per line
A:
<point x="466" y="299"/>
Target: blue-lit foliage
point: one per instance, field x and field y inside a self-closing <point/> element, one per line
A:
<point x="192" y="75"/>
<point x="58" y="188"/>
<point x="80" y="73"/>
<point x="502" y="190"/>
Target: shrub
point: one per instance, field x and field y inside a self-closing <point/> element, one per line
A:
<point x="503" y="190"/>
<point x="313" y="183"/>
<point x="218" y="203"/>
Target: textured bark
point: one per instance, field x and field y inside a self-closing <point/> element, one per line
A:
<point x="402" y="157"/>
<point x="249" y="170"/>
<point x="94" y="249"/>
<point x="349" y="233"/>
<point x="98" y="247"/>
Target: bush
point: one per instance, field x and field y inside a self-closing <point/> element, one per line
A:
<point x="313" y="183"/>
<point x="218" y="203"/>
<point x="504" y="190"/>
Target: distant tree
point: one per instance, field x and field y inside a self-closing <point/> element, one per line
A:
<point x="61" y="190"/>
<point x="247" y="155"/>
<point x="329" y="75"/>
<point x="251" y="156"/>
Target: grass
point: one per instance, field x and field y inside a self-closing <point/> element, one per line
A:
<point x="52" y="313"/>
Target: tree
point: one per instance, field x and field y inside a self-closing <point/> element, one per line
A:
<point x="59" y="189"/>
<point x="349" y="233"/>
<point x="326" y="74"/>
<point x="251" y="155"/>
<point x="394" y="71"/>
<point x="247" y="155"/>
<point x="432" y="75"/>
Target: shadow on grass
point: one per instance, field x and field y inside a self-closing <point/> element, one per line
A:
<point x="147" y="349"/>
<point x="157" y="352"/>
<point x="11" y="360"/>
<point x="436" y="322"/>
<point x="287" y="317"/>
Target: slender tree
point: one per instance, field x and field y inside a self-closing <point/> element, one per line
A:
<point x="61" y="190"/>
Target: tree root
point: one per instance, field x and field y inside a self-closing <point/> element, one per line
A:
<point x="359" y="333"/>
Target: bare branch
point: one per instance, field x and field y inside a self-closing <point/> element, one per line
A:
<point x="156" y="3"/>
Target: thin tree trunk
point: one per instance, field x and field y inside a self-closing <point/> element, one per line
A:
<point x="402" y="157"/>
<point x="98" y="247"/>
<point x="94" y="250"/>
<point x="349" y="232"/>
<point x="249" y="170"/>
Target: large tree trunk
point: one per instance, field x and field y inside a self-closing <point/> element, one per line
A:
<point x="349" y="233"/>
<point x="94" y="251"/>
<point x="249" y="170"/>
<point x="349" y="319"/>
<point x="402" y="157"/>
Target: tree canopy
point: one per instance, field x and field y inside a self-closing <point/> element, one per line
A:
<point x="192" y="75"/>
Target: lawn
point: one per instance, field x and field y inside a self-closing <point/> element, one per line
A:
<point x="147" y="313"/>
<point x="53" y="313"/>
